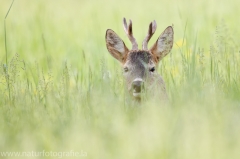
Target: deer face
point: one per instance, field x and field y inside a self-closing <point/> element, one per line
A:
<point x="139" y="66"/>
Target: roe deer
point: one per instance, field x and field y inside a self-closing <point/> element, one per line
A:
<point x="139" y="66"/>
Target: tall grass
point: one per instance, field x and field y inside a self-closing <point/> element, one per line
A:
<point x="6" y="51"/>
<point x="67" y="92"/>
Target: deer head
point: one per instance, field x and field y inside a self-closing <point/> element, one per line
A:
<point x="139" y="66"/>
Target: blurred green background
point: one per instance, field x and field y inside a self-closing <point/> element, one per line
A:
<point x="61" y="90"/>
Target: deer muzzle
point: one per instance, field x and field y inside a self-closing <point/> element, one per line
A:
<point x="137" y="87"/>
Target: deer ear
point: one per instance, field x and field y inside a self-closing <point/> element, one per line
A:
<point x="163" y="44"/>
<point x="115" y="45"/>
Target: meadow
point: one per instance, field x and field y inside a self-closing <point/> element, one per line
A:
<point x="61" y="91"/>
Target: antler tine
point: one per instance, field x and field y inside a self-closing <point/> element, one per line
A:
<point x="129" y="32"/>
<point x="151" y="31"/>
<point x="125" y="27"/>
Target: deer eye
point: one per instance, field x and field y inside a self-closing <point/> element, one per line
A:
<point x="125" y="69"/>
<point x="152" y="69"/>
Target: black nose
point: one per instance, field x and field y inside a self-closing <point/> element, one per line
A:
<point x="137" y="86"/>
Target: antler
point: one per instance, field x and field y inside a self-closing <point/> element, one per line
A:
<point x="151" y="31"/>
<point x="129" y="32"/>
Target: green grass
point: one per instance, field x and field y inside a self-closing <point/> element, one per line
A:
<point x="67" y="92"/>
